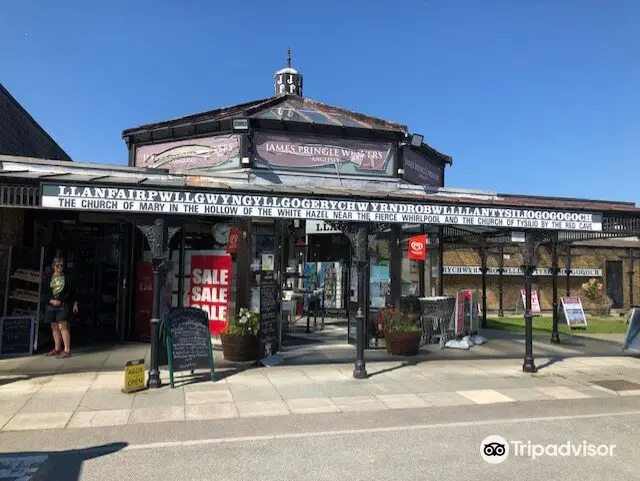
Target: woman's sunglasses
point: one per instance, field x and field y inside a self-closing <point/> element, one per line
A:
<point x="58" y="265"/>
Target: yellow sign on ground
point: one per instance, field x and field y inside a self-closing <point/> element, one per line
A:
<point x="134" y="376"/>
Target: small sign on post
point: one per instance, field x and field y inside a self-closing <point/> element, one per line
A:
<point x="134" y="376"/>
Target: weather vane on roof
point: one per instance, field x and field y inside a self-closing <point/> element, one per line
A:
<point x="289" y="57"/>
<point x="288" y="81"/>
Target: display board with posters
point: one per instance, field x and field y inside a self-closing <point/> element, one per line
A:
<point x="573" y="313"/>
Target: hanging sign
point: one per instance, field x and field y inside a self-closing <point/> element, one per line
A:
<point x="418" y="247"/>
<point x="210" y="202"/>
<point x="535" y="301"/>
<point x="209" y="289"/>
<point x="632" y="339"/>
<point x="234" y="239"/>
<point x="573" y="313"/>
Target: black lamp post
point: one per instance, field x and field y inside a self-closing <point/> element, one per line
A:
<point x="528" y="267"/>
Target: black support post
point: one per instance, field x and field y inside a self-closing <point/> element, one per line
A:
<point x="395" y="259"/>
<point x="528" y="268"/>
<point x="501" y="283"/>
<point x="483" y="271"/>
<point x="183" y="242"/>
<point x="631" y="272"/>
<point x="360" y="243"/>
<point x="567" y="272"/>
<point x="440" y="261"/>
<point x="555" y="337"/>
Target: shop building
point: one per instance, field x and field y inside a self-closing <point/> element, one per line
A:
<point x="322" y="197"/>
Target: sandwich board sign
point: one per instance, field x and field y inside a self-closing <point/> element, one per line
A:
<point x="632" y="339"/>
<point x="188" y="341"/>
<point x="535" y="300"/>
<point x="134" y="376"/>
<point x="573" y="313"/>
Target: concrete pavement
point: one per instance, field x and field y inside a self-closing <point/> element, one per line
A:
<point x="84" y="391"/>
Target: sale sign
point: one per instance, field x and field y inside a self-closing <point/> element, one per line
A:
<point x="535" y="301"/>
<point x="418" y="247"/>
<point x="144" y="299"/>
<point x="209" y="289"/>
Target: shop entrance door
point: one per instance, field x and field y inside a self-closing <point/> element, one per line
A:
<point x="614" y="283"/>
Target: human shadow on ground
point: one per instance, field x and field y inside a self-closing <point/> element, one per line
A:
<point x="51" y="465"/>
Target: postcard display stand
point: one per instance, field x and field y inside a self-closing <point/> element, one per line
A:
<point x="23" y="287"/>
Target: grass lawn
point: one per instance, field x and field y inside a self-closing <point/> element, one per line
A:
<point x="543" y="324"/>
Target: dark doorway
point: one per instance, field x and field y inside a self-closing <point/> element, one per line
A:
<point x="614" y="283"/>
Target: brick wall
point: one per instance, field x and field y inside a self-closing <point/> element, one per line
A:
<point x="582" y="258"/>
<point x="21" y="135"/>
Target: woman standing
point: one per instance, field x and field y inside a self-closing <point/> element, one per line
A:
<point x="59" y="309"/>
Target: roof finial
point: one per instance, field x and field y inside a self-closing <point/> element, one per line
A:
<point x="289" y="57"/>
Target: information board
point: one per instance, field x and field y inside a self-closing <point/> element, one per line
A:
<point x="188" y="341"/>
<point x="16" y="335"/>
<point x="268" y="314"/>
<point x="573" y="312"/>
<point x="632" y="339"/>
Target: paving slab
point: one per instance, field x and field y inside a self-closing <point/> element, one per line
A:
<point x="562" y="392"/>
<point x="159" y="397"/>
<point x="402" y="401"/>
<point x="301" y="391"/>
<point x="485" y="396"/>
<point x="157" y="414"/>
<point x="89" y="419"/>
<point x="33" y="421"/>
<point x="52" y="402"/>
<point x="262" y="408"/>
<point x="312" y="405"/>
<point x="525" y="394"/>
<point x="440" y="399"/>
<point x="255" y="394"/>
<point x="208" y="397"/>
<point x="106" y="399"/>
<point x="343" y="389"/>
<point x="359" y="403"/>
<point x="210" y="411"/>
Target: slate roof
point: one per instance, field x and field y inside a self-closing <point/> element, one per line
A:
<point x="21" y="135"/>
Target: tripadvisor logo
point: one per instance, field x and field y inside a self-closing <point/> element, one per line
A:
<point x="495" y="449"/>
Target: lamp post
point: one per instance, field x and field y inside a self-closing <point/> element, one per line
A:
<point x="528" y="267"/>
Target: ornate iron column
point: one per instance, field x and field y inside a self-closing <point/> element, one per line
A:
<point x="395" y="261"/>
<point x="528" y="267"/>
<point x="158" y="234"/>
<point x="501" y="282"/>
<point x="567" y="270"/>
<point x="441" y="261"/>
<point x="360" y="242"/>
<point x="555" y="338"/>
<point x="483" y="270"/>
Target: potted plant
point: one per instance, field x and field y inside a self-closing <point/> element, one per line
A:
<point x="401" y="333"/>
<point x="599" y="304"/>
<point x="240" y="339"/>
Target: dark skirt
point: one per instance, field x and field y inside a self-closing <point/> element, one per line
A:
<point x="58" y="314"/>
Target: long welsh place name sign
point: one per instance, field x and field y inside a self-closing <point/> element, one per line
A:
<point x="117" y="199"/>
<point x="516" y="271"/>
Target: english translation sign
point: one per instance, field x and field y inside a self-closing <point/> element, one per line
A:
<point x="137" y="200"/>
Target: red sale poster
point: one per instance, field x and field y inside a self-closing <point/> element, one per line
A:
<point x="209" y="289"/>
<point x="144" y="299"/>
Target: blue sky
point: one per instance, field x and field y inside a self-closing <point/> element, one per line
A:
<point x="539" y="97"/>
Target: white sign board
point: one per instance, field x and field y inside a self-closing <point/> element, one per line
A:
<point x="573" y="312"/>
<point x="514" y="271"/>
<point x="210" y="202"/>
<point x="535" y="301"/>
<point x="319" y="227"/>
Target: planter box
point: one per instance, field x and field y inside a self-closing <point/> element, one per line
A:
<point x="402" y="343"/>
<point x="240" y="348"/>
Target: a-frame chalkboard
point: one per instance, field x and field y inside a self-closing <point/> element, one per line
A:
<point x="188" y="341"/>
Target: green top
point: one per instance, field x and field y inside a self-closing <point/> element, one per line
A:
<point x="57" y="285"/>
